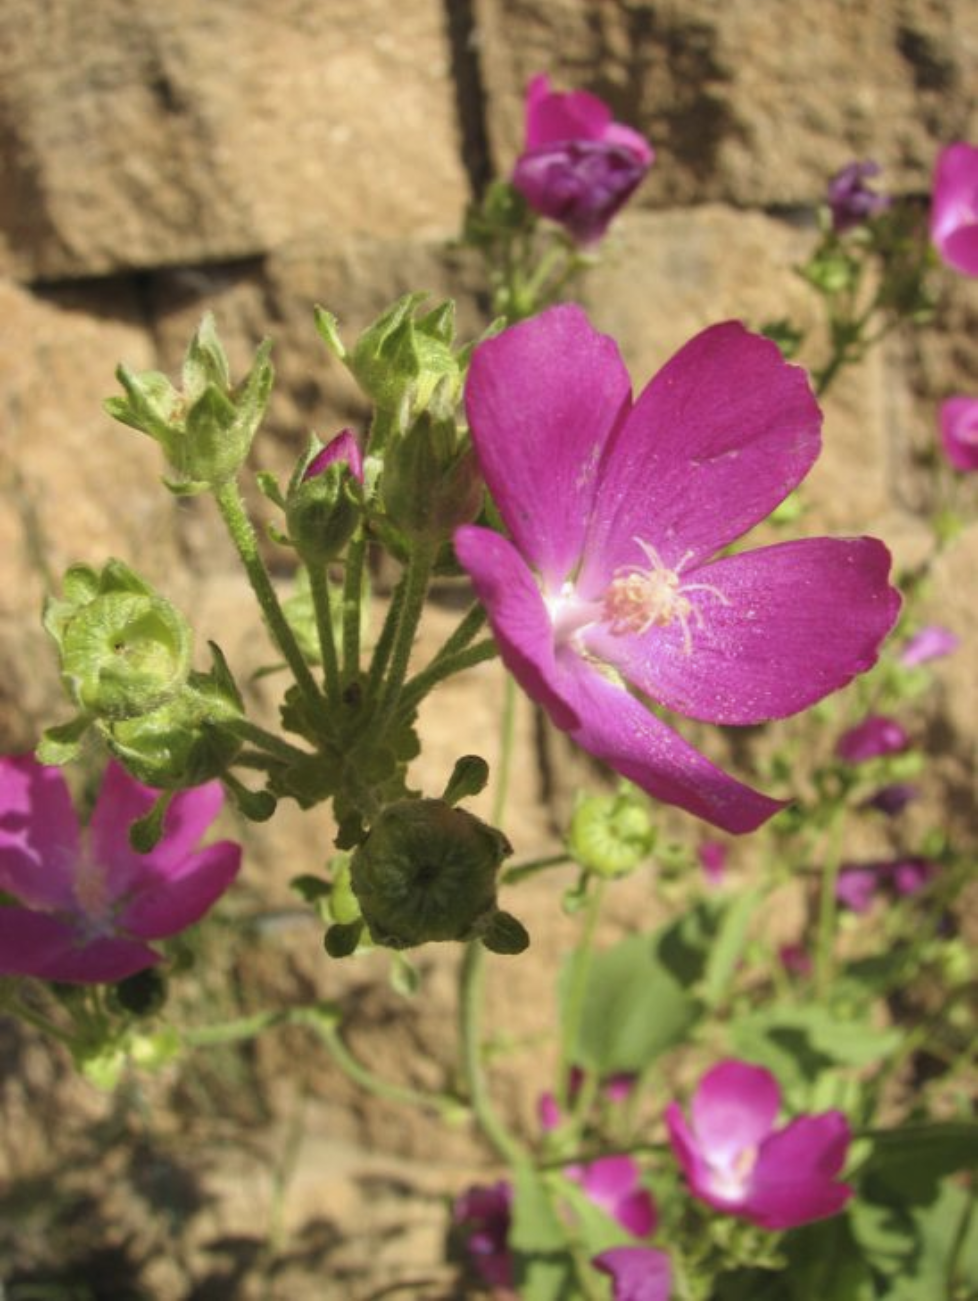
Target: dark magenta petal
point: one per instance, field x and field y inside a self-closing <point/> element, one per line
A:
<point x="40" y="945"/>
<point x="543" y="398"/>
<point x="612" y="1183"/>
<point x="581" y="184"/>
<point x="185" y="894"/>
<point x="637" y="1274"/>
<point x="562" y="115"/>
<point x="876" y="735"/>
<point x="856" y="886"/>
<point x="121" y="801"/>
<point x="909" y="876"/>
<point x="344" y="447"/>
<point x="734" y="1108"/>
<point x="717" y="439"/>
<point x="794" y="1181"/>
<point x="39" y="834"/>
<point x="771" y="632"/>
<point x="619" y="730"/>
<point x="954" y="207"/>
<point x="959" y="426"/>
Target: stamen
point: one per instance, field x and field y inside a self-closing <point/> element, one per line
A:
<point x="641" y="598"/>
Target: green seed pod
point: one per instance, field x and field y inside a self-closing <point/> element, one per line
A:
<point x="611" y="835"/>
<point x="426" y="872"/>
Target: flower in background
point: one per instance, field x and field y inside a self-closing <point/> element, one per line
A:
<point x="483" y="1215"/>
<point x="616" y="1088"/>
<point x="959" y="429"/>
<point x="851" y="200"/>
<point x="931" y="642"/>
<point x="954" y="207"/>
<point x="614" y="511"/>
<point x="876" y="736"/>
<point x="858" y="885"/>
<point x="796" y="960"/>
<point x="86" y="902"/>
<point x="713" y="860"/>
<point x="612" y="1183"/>
<point x="893" y="799"/>
<point x="637" y="1274"/>
<point x="578" y="167"/>
<point x="736" y="1161"/>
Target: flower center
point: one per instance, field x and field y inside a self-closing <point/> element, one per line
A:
<point x="640" y="598"/>
<point x="92" y="895"/>
<point x="731" y="1177"/>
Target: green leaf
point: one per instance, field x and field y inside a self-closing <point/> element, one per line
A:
<point x="915" y="1158"/>
<point x="726" y="950"/>
<point x="542" y="1263"/>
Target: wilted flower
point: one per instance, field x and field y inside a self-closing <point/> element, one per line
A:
<point x="637" y="1274"/>
<point x="612" y="1183"/>
<point x="931" y="642"/>
<point x="483" y="1214"/>
<point x="851" y="200"/>
<point x="736" y="1161"/>
<point x="959" y="426"/>
<point x="614" y="511"/>
<point x="954" y="207"/>
<point x="578" y="167"/>
<point x="86" y="902"/>
<point x="876" y="736"/>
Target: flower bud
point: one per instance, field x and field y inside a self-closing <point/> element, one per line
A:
<point x="431" y="482"/>
<point x="427" y="871"/>
<point x="320" y="509"/>
<point x="611" y="835"/>
<point x="206" y="430"/>
<point x="124" y="649"/>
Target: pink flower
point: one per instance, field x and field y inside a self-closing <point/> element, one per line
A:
<point x="959" y="427"/>
<point x="931" y="642"/>
<point x="345" y="449"/>
<point x="87" y="902"/>
<point x="614" y="510"/>
<point x="483" y="1214"/>
<point x="578" y="167"/>
<point x="954" y="207"/>
<point x="713" y="860"/>
<point x="796" y="960"/>
<point x="850" y="198"/>
<point x="616" y="1088"/>
<point x="876" y="736"/>
<point x="637" y="1274"/>
<point x="612" y="1183"/>
<point x="736" y="1161"/>
<point x="858" y="885"/>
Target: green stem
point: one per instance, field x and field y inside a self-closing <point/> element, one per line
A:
<point x="506" y="736"/>
<point x="364" y="1077"/>
<point x="828" y="907"/>
<point x="385" y="643"/>
<point x="577" y="987"/>
<point x="961" y="1239"/>
<point x="352" y="598"/>
<point x="232" y="508"/>
<point x="418" y="687"/>
<point x="471" y="622"/>
<point x="267" y="741"/>
<point x="17" y="1008"/>
<point x="471" y="980"/>
<point x="519" y="872"/>
<point x="323" y="606"/>
<point x="412" y="604"/>
<point x="242" y="1028"/>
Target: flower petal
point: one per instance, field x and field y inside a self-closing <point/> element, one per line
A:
<point x="782" y="627"/>
<point x="794" y="1179"/>
<point x="542" y="399"/>
<point x="717" y="439"/>
<point x="619" y="730"/>
<point x="554" y="116"/>
<point x="38" y="833"/>
<point x="184" y="895"/>
<point x="637" y="1274"/>
<point x="39" y="945"/>
<point x="734" y="1108"/>
<point x="685" y="1146"/>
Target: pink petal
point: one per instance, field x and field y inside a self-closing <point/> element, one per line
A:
<point x="186" y="894"/>
<point x="121" y="801"/>
<point x="734" y="1108"/>
<point x="612" y="1183"/>
<point x="638" y="1274"/>
<point x="794" y="1179"/>
<point x="954" y="210"/>
<point x="685" y="1146"/>
<point x="39" y="945"/>
<point x="717" y="439"/>
<point x="553" y="116"/>
<point x="619" y="730"/>
<point x="38" y="833"/>
<point x="784" y="626"/>
<point x="959" y="427"/>
<point x="542" y="399"/>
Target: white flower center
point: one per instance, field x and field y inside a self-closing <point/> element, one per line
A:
<point x="640" y="598"/>
<point x="730" y="1177"/>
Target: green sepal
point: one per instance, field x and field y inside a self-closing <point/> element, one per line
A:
<point x="145" y="832"/>
<point x="62" y="743"/>
<point x="257" y="806"/>
<point x="342" y="939"/>
<point x="506" y="935"/>
<point x="469" y="777"/>
<point x="327" y="327"/>
<point x="269" y="486"/>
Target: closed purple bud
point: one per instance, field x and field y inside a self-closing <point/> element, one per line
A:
<point x="877" y="735"/>
<point x="852" y="202"/>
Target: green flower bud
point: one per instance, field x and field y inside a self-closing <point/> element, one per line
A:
<point x="469" y="777"/>
<point x="426" y="872"/>
<point x="125" y="650"/>
<point x="611" y="835"/>
<point x="320" y="509"/>
<point x="431" y="482"/>
<point x="206" y="430"/>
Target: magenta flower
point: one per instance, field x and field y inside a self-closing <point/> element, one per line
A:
<point x="616" y="1088"/>
<point x="483" y="1214"/>
<point x="612" y="1183"/>
<point x="343" y="448"/>
<point x="713" y="860"/>
<point x="954" y="207"/>
<point x="851" y="200"/>
<point x="876" y="736"/>
<point x="614" y="510"/>
<point x="858" y="885"/>
<point x="932" y="642"/>
<point x="736" y="1161"/>
<point x="796" y="960"/>
<point x="578" y="167"/>
<point x="893" y="799"/>
<point x="959" y="427"/>
<point x="637" y="1274"/>
<point x="87" y="903"/>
